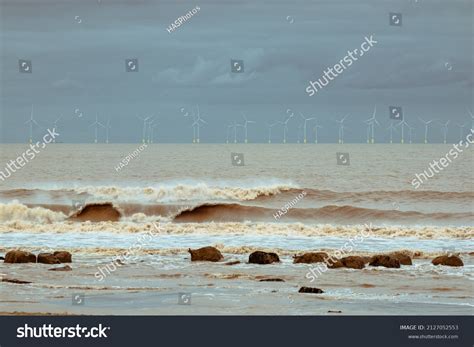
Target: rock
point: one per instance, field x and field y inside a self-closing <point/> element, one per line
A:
<point x="47" y="258"/>
<point x="308" y="258"/>
<point x="63" y="256"/>
<point x="310" y="290"/>
<point x="448" y="260"/>
<point x="331" y="311"/>
<point x="353" y="262"/>
<point x="63" y="268"/>
<point x="333" y="263"/>
<point x="272" y="280"/>
<point x="402" y="258"/>
<point x="20" y="257"/>
<point x="259" y="257"/>
<point x="205" y="254"/>
<point x="232" y="262"/>
<point x="384" y="260"/>
<point x="13" y="280"/>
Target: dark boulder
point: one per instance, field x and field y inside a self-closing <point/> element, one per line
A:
<point x="384" y="260"/>
<point x="402" y="258"/>
<point x="63" y="256"/>
<point x="353" y="262"/>
<point x="310" y="290"/>
<point x="20" y="257"/>
<point x="47" y="258"/>
<point x="452" y="260"/>
<point x="205" y="254"/>
<point x="308" y="258"/>
<point x="259" y="257"/>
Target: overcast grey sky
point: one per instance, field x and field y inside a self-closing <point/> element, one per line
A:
<point x="78" y="51"/>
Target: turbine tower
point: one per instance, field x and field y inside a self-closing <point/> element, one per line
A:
<point x="145" y="120"/>
<point x="96" y="124"/>
<point x="246" y="122"/>
<point x="372" y="122"/>
<point x="445" y="130"/>
<point x="427" y="123"/>
<point x="197" y="123"/>
<point x="402" y="124"/>
<point x="316" y="127"/>
<point x="304" y="126"/>
<point x="31" y="122"/>
<point x="391" y="128"/>
<point x="107" y="128"/>
<point x="341" y="129"/>
<point x="285" y="127"/>
<point x="461" y="130"/>
<point x="410" y="131"/>
<point x="234" y="126"/>
<point x="270" y="126"/>
<point x="151" y="133"/>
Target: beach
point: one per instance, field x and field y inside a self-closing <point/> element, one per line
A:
<point x="170" y="198"/>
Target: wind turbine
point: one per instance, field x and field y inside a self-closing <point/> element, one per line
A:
<point x="316" y="127"/>
<point x="234" y="126"/>
<point x="445" y="130"/>
<point x="270" y="126"/>
<point x="285" y="127"/>
<point x="31" y="121"/>
<point x="246" y="122"/>
<point x="410" y="131"/>
<point x="341" y="129"/>
<point x="372" y="122"/>
<point x="97" y="124"/>
<point x="402" y="124"/>
<point x="391" y="128"/>
<point x="144" y="119"/>
<point x="196" y="123"/>
<point x="107" y="128"/>
<point x="151" y="133"/>
<point x="55" y="125"/>
<point x="427" y="123"/>
<point x="461" y="130"/>
<point x="304" y="126"/>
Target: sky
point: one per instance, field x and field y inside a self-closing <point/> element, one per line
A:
<point x="78" y="50"/>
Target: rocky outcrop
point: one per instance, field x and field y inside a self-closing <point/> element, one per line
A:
<point x="310" y="290"/>
<point x="452" y="260"/>
<point x="403" y="258"/>
<point x="20" y="257"/>
<point x="353" y="262"/>
<point x="205" y="254"/>
<point x="259" y="257"/>
<point x="309" y="258"/>
<point x="47" y="258"/>
<point x="63" y="256"/>
<point x="385" y="261"/>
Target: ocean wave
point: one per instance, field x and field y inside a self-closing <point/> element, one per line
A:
<point x="235" y="229"/>
<point x="15" y="211"/>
